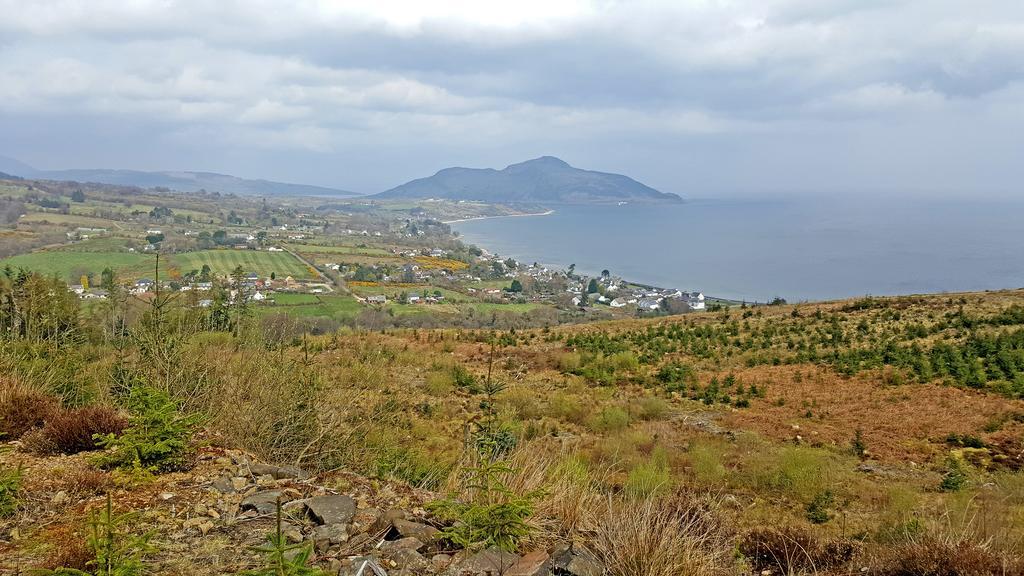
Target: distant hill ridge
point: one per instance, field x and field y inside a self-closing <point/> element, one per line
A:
<point x="184" y="181"/>
<point x="545" y="179"/>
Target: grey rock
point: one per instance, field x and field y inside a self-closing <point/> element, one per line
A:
<point x="331" y="509"/>
<point x="425" y="533"/>
<point x="223" y="485"/>
<point x="363" y="566"/>
<point x="364" y="519"/>
<point x="408" y="543"/>
<point x="262" y="502"/>
<point x="386" y="520"/>
<point x="291" y="472"/>
<point x="440" y="561"/>
<point x="536" y="563"/>
<point x="490" y="562"/>
<point x="291" y="532"/>
<point x="326" y="536"/>
<point x="261" y="469"/>
<point x="277" y="472"/>
<point x="574" y="562"/>
<point x="407" y="559"/>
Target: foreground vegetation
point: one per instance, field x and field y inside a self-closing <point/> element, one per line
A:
<point x="881" y="434"/>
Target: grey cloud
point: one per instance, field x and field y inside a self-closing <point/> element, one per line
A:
<point x="718" y="97"/>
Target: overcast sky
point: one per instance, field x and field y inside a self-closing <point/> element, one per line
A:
<point x="698" y="97"/>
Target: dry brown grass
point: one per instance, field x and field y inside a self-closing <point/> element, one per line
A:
<point x="792" y="550"/>
<point x="931" y="556"/>
<point x="899" y="423"/>
<point x="662" y="538"/>
<point x="22" y="408"/>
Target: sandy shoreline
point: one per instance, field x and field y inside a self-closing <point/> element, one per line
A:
<point x="502" y="216"/>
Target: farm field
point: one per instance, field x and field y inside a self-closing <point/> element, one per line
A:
<point x="70" y="265"/>
<point x="72" y="219"/>
<point x="224" y="262"/>
<point x="317" y="249"/>
<point x="311" y="305"/>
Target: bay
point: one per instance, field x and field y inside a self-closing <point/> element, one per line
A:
<point x="798" y="249"/>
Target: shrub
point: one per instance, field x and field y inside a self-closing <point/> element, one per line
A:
<point x="649" y="477"/>
<point x="23" y="409"/>
<point x="157" y="438"/>
<point x="611" y="419"/>
<point x="86" y="481"/>
<point x="73" y="431"/>
<point x="651" y="408"/>
<point x="706" y="463"/>
<point x="661" y="538"/>
<point x="410" y="467"/>
<point x="955" y="476"/>
<point x="439" y="384"/>
<point x="488" y="513"/>
<point x="817" y="510"/>
<point x="791" y="550"/>
<point x="10" y="485"/>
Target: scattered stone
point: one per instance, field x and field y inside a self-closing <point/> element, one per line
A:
<point x="257" y="469"/>
<point x="165" y="496"/>
<point x="295" y="472"/>
<point x="407" y="559"/>
<point x="571" y="562"/>
<point x="357" y="541"/>
<point x="408" y="543"/>
<point x="203" y="525"/>
<point x="425" y="533"/>
<point x="238" y="483"/>
<point x="486" y="563"/>
<point x="262" y="502"/>
<point x="533" y="564"/>
<point x="326" y="536"/>
<point x="291" y="532"/>
<point x="386" y="520"/>
<point x="331" y="509"/>
<point x="364" y="566"/>
<point x="266" y="481"/>
<point x="364" y="518"/>
<point x="223" y="485"/>
<point x="61" y="498"/>
<point x="440" y="561"/>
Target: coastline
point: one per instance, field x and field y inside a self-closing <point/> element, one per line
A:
<point x="546" y="213"/>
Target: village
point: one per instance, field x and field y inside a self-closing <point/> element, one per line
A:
<point x="418" y="277"/>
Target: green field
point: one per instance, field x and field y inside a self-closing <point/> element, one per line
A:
<point x="69" y="266"/>
<point x="307" y="305"/>
<point x="316" y="249"/>
<point x="224" y="262"/>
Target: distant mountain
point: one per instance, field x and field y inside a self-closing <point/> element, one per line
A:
<point x="546" y="179"/>
<point x="182" y="181"/>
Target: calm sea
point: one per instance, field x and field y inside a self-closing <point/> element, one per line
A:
<point x="808" y="249"/>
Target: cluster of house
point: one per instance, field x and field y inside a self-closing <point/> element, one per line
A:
<point x="617" y="294"/>
<point x="255" y="288"/>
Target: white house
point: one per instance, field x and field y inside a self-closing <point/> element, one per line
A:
<point x="618" y="303"/>
<point x="695" y="300"/>
<point x="647" y="304"/>
<point x="258" y="296"/>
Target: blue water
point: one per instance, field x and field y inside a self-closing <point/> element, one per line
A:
<point x="808" y="249"/>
